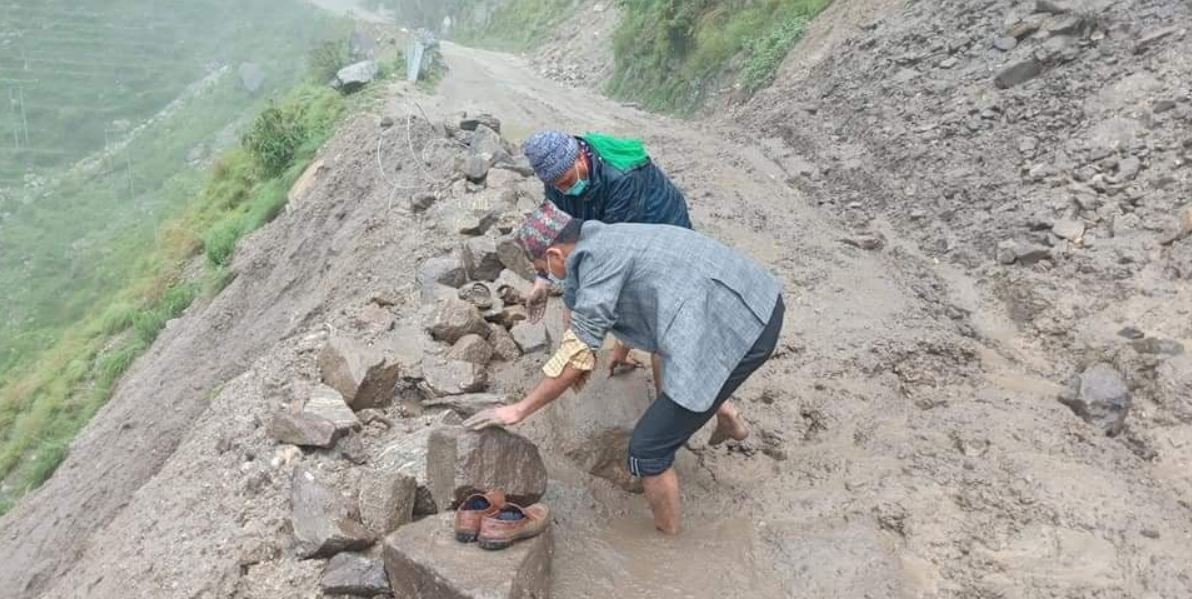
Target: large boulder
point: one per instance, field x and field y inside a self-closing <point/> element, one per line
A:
<point x="404" y="452"/>
<point x="515" y="259"/>
<point x="460" y="462"/>
<point x="324" y="522"/>
<point x="386" y="499"/>
<point x="424" y="560"/>
<point x="482" y="261"/>
<point x="326" y="402"/>
<point x="471" y="348"/>
<point x="1100" y="396"/>
<point x="363" y="375"/>
<point x="456" y="318"/>
<point x="441" y="377"/>
<point x="504" y="347"/>
<point x="356" y="575"/>
<point x="593" y="428"/>
<point x="438" y="272"/>
<point x="355" y="76"/>
<point x="304" y="430"/>
<point x="531" y="337"/>
<point x="471" y="123"/>
<point x="487" y="143"/>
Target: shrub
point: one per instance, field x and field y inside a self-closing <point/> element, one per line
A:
<point x="275" y="137"/>
<point x="326" y="59"/>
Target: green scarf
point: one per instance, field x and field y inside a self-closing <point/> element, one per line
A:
<point x="623" y="153"/>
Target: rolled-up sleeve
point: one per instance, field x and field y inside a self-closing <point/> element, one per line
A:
<point x="598" y="289"/>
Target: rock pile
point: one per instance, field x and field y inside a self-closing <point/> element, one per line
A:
<point x="367" y="465"/>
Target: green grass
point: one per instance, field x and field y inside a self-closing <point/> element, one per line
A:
<point x="47" y="400"/>
<point x="671" y="56"/>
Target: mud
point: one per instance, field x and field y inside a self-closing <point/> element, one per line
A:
<point x="907" y="441"/>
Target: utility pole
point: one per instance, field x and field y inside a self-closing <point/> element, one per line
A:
<point x="24" y="118"/>
<point x="16" y="131"/>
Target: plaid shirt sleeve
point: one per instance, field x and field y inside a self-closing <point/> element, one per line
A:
<point x="572" y="352"/>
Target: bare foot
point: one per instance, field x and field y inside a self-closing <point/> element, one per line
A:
<point x="729" y="425"/>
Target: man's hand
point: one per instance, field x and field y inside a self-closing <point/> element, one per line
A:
<point x="619" y="359"/>
<point x="502" y="416"/>
<point x="536" y="300"/>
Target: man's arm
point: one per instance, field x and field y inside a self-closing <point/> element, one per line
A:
<point x="547" y="391"/>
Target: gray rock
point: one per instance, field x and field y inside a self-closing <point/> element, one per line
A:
<point x="446" y="270"/>
<point x="460" y="462"/>
<point x="515" y="259"/>
<point x="487" y="144"/>
<point x="1027" y="26"/>
<point x="474" y="122"/>
<point x="481" y="259"/>
<point x="324" y="522"/>
<point x="386" y="122"/>
<point x="424" y="560"/>
<point x="475" y="221"/>
<point x="304" y="430"/>
<point x="503" y="344"/>
<point x="386" y="499"/>
<point x="1018" y="73"/>
<point x="1066" y="25"/>
<point x="252" y="77"/>
<point x="351" y="574"/>
<point x="1010" y="251"/>
<point x="1005" y="43"/>
<point x="1072" y="230"/>
<point x="404" y="452"/>
<point x="467" y="405"/>
<point x="1131" y="333"/>
<point x="326" y="402"/>
<point x="531" y="338"/>
<point x="452" y="377"/>
<point x="355" y="76"/>
<point x="422" y="201"/>
<point x="364" y="377"/>
<point x="1153" y="37"/>
<point x="475" y="168"/>
<point x="471" y="348"/>
<point x="1099" y="395"/>
<point x="456" y="318"/>
<point x="1128" y="169"/>
<point x="1054" y="7"/>
<point x="1154" y="345"/>
<point x="503" y="179"/>
<point x="351" y="448"/>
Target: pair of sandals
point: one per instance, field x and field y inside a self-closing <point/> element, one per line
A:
<point x="494" y="523"/>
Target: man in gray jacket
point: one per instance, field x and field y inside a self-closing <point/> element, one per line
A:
<point x="712" y="314"/>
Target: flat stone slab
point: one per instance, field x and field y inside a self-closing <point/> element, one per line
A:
<point x="425" y="561"/>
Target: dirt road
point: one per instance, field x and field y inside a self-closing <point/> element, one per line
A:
<point x="904" y="444"/>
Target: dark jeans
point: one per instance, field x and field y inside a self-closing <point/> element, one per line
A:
<point x="666" y="425"/>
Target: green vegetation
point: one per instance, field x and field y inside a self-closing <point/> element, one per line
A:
<point x="100" y="256"/>
<point x="44" y="405"/>
<point x="671" y="55"/>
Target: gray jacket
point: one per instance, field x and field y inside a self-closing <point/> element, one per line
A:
<point x="673" y="292"/>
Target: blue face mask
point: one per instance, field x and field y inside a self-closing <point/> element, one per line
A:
<point x="581" y="185"/>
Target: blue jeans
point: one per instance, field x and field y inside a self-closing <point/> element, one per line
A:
<point x="666" y="425"/>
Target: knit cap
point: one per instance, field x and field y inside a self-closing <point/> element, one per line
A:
<point x="551" y="154"/>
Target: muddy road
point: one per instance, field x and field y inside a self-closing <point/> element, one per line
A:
<point x="906" y="441"/>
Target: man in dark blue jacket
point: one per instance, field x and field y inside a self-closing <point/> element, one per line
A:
<point x="602" y="178"/>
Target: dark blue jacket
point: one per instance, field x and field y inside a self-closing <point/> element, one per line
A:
<point x="641" y="195"/>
